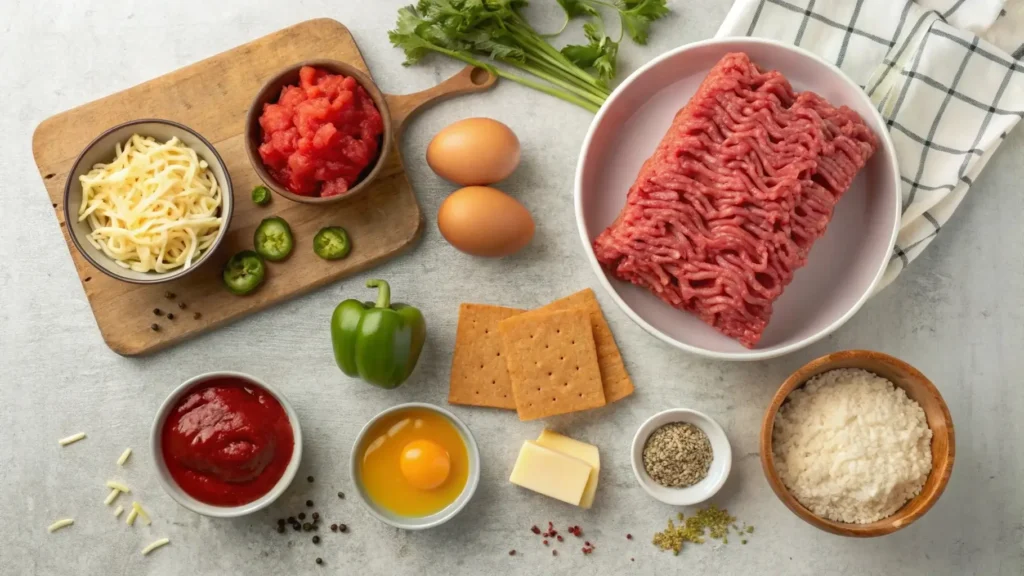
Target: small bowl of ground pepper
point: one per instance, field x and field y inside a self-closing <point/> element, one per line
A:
<point x="681" y="457"/>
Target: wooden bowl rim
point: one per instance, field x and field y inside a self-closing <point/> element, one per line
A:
<point x="253" y="133"/>
<point x="909" y="512"/>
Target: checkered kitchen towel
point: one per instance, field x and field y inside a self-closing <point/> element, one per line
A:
<point x="949" y="97"/>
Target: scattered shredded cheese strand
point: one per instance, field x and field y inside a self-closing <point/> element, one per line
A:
<point x="155" y="545"/>
<point x="118" y="486"/>
<point x="130" y="520"/>
<point x="137" y="508"/>
<point x="154" y="207"/>
<point x="118" y="511"/>
<point x="60" y="524"/>
<point x="124" y="456"/>
<point x="71" y="439"/>
<point x="111" y="497"/>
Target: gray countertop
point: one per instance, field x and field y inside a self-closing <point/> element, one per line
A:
<point x="957" y="314"/>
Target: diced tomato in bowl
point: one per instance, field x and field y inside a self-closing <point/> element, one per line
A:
<point x="321" y="136"/>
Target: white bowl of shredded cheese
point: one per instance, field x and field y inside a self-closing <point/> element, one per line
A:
<point x="858" y="443"/>
<point x="148" y="201"/>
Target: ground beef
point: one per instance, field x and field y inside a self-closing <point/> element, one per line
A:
<point x="738" y="190"/>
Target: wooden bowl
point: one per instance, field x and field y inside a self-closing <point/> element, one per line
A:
<point x="271" y="91"/>
<point x="918" y="388"/>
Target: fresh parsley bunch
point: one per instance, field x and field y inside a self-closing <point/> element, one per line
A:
<point x="482" y="32"/>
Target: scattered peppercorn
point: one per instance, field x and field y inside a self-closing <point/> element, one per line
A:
<point x="534" y="529"/>
<point x="280" y="521"/>
<point x="309" y="503"/>
<point x="316" y="516"/>
<point x="291" y="519"/>
<point x="586" y="543"/>
<point x="158" y="312"/>
<point x="280" y="529"/>
<point x="170" y="295"/>
<point x="743" y="541"/>
<point x="559" y="537"/>
<point x="197" y="316"/>
<point x="341" y="495"/>
<point x="302" y="515"/>
<point x="319" y="560"/>
<point x="296" y="527"/>
<point x="170" y="316"/>
<point x="334" y="527"/>
<point x="316" y="539"/>
<point x="182" y="305"/>
<point x="307" y="526"/>
<point x="309" y="479"/>
<point x="554" y="552"/>
<point x="511" y="552"/>
<point x="629" y="536"/>
<point x="342" y="528"/>
<point x="155" y="327"/>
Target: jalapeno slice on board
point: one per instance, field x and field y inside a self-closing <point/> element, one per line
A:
<point x="261" y="195"/>
<point x="273" y="239"/>
<point x="332" y="243"/>
<point x="244" y="272"/>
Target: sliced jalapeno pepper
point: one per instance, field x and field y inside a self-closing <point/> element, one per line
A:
<point x="261" y="195"/>
<point x="332" y="243"/>
<point x="244" y="272"/>
<point x="273" y="239"/>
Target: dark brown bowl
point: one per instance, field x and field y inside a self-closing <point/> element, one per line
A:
<point x="919" y="389"/>
<point x="269" y="94"/>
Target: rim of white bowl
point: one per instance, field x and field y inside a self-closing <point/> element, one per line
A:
<point x="721" y="463"/>
<point x="191" y="503"/>
<point x="441" y="516"/>
<point x="749" y="355"/>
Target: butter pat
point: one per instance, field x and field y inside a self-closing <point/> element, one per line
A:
<point x="580" y="450"/>
<point x="551" y="473"/>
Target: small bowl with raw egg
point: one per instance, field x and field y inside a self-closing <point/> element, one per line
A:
<point x="415" y="466"/>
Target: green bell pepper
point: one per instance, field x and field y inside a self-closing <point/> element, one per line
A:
<point x="379" y="343"/>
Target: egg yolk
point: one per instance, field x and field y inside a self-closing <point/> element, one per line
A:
<point x="425" y="464"/>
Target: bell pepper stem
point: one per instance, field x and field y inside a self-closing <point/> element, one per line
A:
<point x="383" y="292"/>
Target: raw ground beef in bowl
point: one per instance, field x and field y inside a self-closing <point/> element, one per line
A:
<point x="740" y="198"/>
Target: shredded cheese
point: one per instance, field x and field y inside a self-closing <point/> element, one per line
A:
<point x="71" y="439"/>
<point x="60" y="524"/>
<point x="137" y="508"/>
<point x="118" y="486"/>
<point x="124" y="456"/>
<point x="155" y="545"/>
<point x="118" y="511"/>
<point x="154" y="208"/>
<point x="130" y="520"/>
<point x="111" y="497"/>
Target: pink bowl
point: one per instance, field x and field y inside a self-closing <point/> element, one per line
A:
<point x="844" y="266"/>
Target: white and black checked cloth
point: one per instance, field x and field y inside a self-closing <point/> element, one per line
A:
<point x="949" y="97"/>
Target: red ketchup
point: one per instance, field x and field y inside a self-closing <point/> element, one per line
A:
<point x="227" y="442"/>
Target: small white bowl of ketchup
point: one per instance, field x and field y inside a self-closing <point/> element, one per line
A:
<point x="225" y="444"/>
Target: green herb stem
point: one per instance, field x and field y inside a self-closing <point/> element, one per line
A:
<point x="582" y="91"/>
<point x="571" y="97"/>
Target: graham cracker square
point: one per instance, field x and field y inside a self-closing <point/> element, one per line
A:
<point x="479" y="376"/>
<point x="614" y="378"/>
<point x="552" y="363"/>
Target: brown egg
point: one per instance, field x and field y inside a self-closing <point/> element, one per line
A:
<point x="484" y="221"/>
<point x="474" y="152"/>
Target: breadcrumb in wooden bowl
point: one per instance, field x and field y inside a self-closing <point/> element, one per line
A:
<point x="918" y="388"/>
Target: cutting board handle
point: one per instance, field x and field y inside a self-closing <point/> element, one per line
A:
<point x="469" y="79"/>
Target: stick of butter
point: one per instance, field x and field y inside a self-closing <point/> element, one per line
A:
<point x="581" y="450"/>
<point x="551" y="473"/>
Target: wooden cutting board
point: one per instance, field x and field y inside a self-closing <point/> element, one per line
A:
<point x="212" y="97"/>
